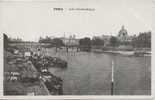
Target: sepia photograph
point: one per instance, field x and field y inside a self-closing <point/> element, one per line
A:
<point x="77" y="48"/>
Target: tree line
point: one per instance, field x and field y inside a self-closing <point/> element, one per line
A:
<point x="143" y="40"/>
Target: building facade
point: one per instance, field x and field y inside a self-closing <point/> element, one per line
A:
<point x="123" y="35"/>
<point x="71" y="41"/>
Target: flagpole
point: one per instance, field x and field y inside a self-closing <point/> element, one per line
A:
<point x="112" y="78"/>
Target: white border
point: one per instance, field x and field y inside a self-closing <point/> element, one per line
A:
<point x="86" y="97"/>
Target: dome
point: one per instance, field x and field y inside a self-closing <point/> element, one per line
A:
<point x="122" y="32"/>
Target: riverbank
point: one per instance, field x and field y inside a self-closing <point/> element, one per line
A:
<point x="21" y="77"/>
<point x="129" y="53"/>
<point x="125" y="52"/>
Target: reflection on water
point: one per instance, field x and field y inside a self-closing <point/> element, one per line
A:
<point x="90" y="74"/>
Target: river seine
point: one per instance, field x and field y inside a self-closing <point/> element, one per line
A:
<point x="89" y="73"/>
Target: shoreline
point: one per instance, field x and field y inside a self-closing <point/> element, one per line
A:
<point x="125" y="53"/>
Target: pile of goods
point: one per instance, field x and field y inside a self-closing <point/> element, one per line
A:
<point x="47" y="62"/>
<point x="52" y="82"/>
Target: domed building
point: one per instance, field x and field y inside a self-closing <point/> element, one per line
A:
<point x="123" y="35"/>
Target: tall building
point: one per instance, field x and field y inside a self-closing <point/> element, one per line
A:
<point x="71" y="41"/>
<point x="123" y="35"/>
<point x="106" y="39"/>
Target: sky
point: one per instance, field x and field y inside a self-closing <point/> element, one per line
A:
<point x="29" y="20"/>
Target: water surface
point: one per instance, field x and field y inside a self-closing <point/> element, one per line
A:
<point x="90" y="73"/>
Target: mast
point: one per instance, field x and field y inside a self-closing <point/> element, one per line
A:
<point x="112" y="78"/>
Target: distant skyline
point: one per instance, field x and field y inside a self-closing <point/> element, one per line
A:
<point x="30" y="20"/>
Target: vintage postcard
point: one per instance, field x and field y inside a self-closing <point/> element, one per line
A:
<point x="76" y="48"/>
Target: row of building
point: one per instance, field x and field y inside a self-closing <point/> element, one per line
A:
<point x="122" y="37"/>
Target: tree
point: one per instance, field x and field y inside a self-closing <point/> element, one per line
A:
<point x="114" y="41"/>
<point x="85" y="44"/>
<point x="85" y="41"/>
<point x="97" y="41"/>
<point x="45" y="40"/>
<point x="57" y="42"/>
<point x="6" y="41"/>
<point x="143" y="40"/>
